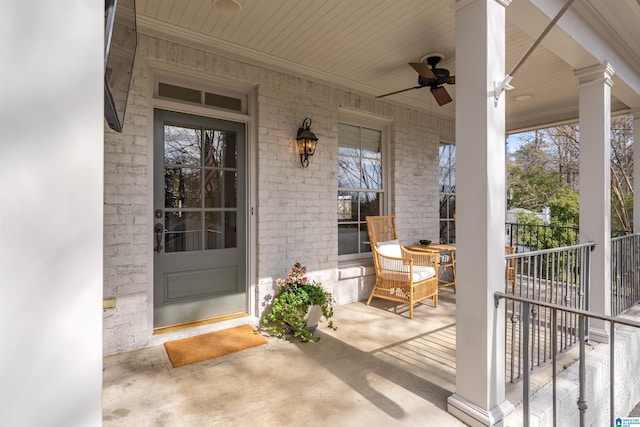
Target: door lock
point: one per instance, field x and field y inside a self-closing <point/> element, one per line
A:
<point x="159" y="231"/>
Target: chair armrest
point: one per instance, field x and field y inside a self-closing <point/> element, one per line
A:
<point x="423" y="258"/>
<point x="403" y="266"/>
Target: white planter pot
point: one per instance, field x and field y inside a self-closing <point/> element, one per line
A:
<point x="313" y="317"/>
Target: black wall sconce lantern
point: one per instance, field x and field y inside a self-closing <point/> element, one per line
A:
<point x="305" y="142"/>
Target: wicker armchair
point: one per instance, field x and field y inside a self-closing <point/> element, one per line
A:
<point x="402" y="275"/>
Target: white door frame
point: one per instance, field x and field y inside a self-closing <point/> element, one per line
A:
<point x="177" y="75"/>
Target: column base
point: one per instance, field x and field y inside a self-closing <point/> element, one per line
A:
<point x="474" y="415"/>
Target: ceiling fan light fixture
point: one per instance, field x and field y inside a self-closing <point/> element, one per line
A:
<point x="425" y="58"/>
<point x="430" y="76"/>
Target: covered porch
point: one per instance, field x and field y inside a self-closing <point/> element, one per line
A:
<point x="329" y="62"/>
<point x="378" y="368"/>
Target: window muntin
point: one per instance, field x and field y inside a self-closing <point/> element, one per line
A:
<point x="360" y="185"/>
<point x="447" y="193"/>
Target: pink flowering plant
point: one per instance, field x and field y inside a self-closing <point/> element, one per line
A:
<point x="296" y="295"/>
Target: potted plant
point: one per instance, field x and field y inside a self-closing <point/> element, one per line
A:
<point x="299" y="306"/>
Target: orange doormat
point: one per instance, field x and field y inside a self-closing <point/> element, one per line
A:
<point x="202" y="347"/>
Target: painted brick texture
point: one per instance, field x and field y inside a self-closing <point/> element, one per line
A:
<point x="296" y="213"/>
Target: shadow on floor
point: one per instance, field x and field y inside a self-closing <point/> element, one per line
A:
<point x="378" y="368"/>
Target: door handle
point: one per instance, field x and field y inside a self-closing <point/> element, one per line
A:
<point x="159" y="231"/>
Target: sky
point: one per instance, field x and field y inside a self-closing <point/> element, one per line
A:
<point x="515" y="141"/>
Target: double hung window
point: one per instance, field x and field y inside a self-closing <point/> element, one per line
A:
<point x="447" y="193"/>
<point x="360" y="185"/>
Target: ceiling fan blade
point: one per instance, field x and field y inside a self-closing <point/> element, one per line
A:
<point x="399" y="91"/>
<point x="441" y="95"/>
<point x="452" y="80"/>
<point x="423" y="69"/>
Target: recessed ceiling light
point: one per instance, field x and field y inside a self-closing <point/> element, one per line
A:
<point x="523" y="98"/>
<point x="227" y="6"/>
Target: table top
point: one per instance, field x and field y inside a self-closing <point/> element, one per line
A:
<point x="442" y="247"/>
<point x="432" y="247"/>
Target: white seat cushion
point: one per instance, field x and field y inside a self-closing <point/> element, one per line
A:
<point x="421" y="273"/>
<point x="394" y="270"/>
<point x="390" y="248"/>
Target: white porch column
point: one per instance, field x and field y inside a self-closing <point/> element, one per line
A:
<point x="636" y="174"/>
<point x="594" y="84"/>
<point x="480" y="139"/>
<point x="51" y="132"/>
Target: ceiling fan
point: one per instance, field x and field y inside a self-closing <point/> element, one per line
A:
<point x="432" y="77"/>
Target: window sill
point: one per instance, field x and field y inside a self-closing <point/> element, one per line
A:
<point x="350" y="269"/>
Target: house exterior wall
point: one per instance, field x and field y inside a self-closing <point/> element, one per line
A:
<point x="295" y="213"/>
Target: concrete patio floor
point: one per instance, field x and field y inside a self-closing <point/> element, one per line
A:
<point x="379" y="368"/>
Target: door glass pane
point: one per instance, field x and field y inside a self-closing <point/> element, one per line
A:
<point x="230" y="150"/>
<point x="214" y="230"/>
<point x="213" y="148"/>
<point x="221" y="149"/>
<point x="217" y="235"/>
<point x="230" y="229"/>
<point x="182" y="188"/>
<point x="230" y="189"/>
<point x="181" y="145"/>
<point x="212" y="188"/>
<point x="182" y="231"/>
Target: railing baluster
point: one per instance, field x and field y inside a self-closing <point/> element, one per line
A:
<point x="554" y="347"/>
<point x="514" y="321"/>
<point x="582" y="403"/>
<point x="526" y="385"/>
<point x="612" y="372"/>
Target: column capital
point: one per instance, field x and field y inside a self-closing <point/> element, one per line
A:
<point x="458" y="4"/>
<point x="599" y="73"/>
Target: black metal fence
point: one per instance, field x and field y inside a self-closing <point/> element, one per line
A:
<point x="534" y="237"/>
<point x="558" y="276"/>
<point x="558" y="312"/>
<point x="625" y="272"/>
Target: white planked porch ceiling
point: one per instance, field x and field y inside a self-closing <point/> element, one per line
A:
<point x="366" y="45"/>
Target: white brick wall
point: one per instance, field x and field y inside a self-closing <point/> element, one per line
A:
<point x="296" y="209"/>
